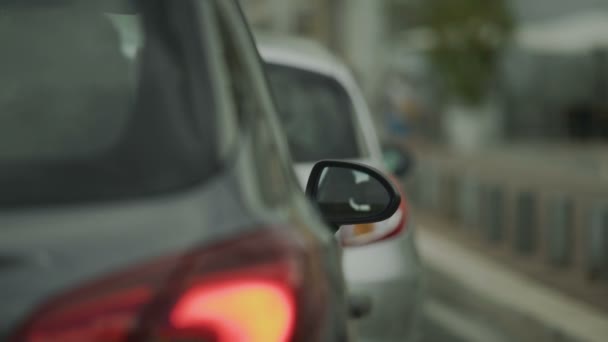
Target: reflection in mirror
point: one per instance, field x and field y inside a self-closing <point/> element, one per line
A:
<point x="344" y="192"/>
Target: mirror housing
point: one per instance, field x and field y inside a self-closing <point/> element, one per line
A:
<point x="398" y="159"/>
<point x="351" y="193"/>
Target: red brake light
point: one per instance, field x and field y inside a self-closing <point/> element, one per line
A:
<point x="238" y="311"/>
<point x="248" y="290"/>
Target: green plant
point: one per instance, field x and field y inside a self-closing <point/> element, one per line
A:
<point x="401" y="15"/>
<point x="469" y="38"/>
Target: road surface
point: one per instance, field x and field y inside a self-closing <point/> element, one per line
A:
<point x="472" y="298"/>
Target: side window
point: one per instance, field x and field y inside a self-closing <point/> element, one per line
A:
<point x="252" y="104"/>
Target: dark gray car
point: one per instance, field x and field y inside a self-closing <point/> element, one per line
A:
<point x="147" y="194"/>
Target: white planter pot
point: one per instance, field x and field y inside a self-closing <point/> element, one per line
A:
<point x="470" y="128"/>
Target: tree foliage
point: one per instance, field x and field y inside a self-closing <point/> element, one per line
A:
<point x="470" y="36"/>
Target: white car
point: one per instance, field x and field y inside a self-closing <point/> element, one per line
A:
<point x="325" y="116"/>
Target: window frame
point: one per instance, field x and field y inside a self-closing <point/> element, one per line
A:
<point x="262" y="125"/>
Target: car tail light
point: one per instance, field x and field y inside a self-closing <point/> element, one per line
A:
<point x="238" y="310"/>
<point x="248" y="290"/>
<point x="364" y="234"/>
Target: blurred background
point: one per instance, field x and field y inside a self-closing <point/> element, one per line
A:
<point x="504" y="104"/>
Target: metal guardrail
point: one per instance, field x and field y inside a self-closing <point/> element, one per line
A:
<point x="525" y="230"/>
<point x="597" y="241"/>
<point x="427" y="186"/>
<point x="469" y="201"/>
<point x="493" y="212"/>
<point x="449" y="195"/>
<point x="558" y="229"/>
<point x="566" y="226"/>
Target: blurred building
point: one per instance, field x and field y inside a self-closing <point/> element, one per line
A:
<point x="353" y="29"/>
<point x="545" y="92"/>
<point x="556" y="85"/>
<point x="307" y="18"/>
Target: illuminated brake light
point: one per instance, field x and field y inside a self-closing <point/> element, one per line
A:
<point x="249" y="289"/>
<point x="238" y="311"/>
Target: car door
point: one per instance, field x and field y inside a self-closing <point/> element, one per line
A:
<point x="271" y="163"/>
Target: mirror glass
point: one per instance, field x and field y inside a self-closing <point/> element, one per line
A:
<point x="344" y="193"/>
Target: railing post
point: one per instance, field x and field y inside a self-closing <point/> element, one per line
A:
<point x="493" y="213"/>
<point x="597" y="241"/>
<point x="469" y="201"/>
<point x="526" y="223"/>
<point x="559" y="235"/>
<point x="449" y="194"/>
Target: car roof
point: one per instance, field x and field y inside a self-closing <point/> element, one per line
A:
<point x="299" y="52"/>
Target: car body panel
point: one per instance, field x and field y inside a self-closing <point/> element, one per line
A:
<point x="394" y="276"/>
<point x="58" y="249"/>
<point x="70" y="245"/>
<point x="52" y="249"/>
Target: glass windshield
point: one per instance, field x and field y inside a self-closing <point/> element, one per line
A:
<point x="79" y="118"/>
<point x="316" y="113"/>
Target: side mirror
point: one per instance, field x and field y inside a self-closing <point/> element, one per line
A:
<point x="398" y="159"/>
<point x="351" y="193"/>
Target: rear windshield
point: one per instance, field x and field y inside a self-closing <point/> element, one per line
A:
<point x="316" y="113"/>
<point x="75" y="124"/>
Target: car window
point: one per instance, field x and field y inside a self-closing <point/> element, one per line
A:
<point x="316" y="113"/>
<point x="80" y="120"/>
<point x="55" y="92"/>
